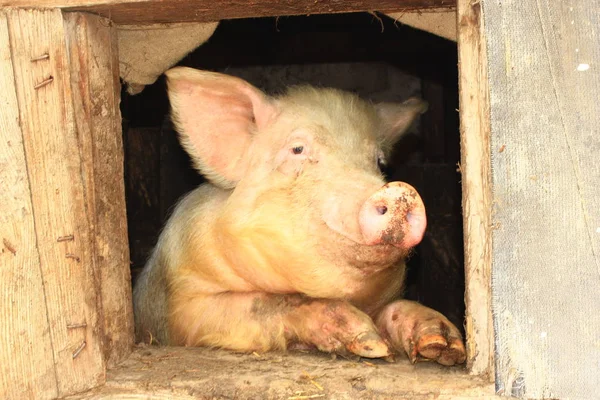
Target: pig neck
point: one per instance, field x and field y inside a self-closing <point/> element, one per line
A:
<point x="267" y="242"/>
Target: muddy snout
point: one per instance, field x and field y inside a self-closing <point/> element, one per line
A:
<point x="395" y="215"/>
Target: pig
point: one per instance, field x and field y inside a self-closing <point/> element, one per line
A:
<point x="296" y="241"/>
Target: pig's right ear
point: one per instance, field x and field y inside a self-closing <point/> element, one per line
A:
<point x="397" y="117"/>
<point x="216" y="116"/>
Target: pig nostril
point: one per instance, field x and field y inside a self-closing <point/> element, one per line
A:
<point x="381" y="209"/>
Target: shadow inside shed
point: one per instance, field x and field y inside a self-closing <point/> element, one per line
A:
<point x="372" y="56"/>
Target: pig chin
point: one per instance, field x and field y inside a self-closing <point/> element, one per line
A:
<point x="348" y="246"/>
<point x="366" y="258"/>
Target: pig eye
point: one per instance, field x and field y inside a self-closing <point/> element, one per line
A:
<point x="297" y="149"/>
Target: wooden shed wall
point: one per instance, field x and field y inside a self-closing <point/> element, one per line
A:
<point x="65" y="305"/>
<point x="544" y="78"/>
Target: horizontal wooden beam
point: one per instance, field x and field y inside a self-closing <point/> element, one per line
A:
<point x="157" y="11"/>
<point x="186" y="373"/>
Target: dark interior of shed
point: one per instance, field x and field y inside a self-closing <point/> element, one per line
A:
<point x="366" y="53"/>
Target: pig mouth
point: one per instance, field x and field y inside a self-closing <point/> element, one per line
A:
<point x="341" y="228"/>
<point x="352" y="251"/>
<point x="391" y="238"/>
<point x="354" y="246"/>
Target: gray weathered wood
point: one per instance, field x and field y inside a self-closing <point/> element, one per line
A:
<point x="544" y="74"/>
<point x="475" y="167"/>
<point x="26" y="354"/>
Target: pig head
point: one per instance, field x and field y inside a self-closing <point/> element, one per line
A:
<point x="297" y="223"/>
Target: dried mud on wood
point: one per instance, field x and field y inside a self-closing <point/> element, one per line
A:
<point x="199" y="373"/>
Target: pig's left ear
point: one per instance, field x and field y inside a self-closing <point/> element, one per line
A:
<point x="216" y="116"/>
<point x="397" y="117"/>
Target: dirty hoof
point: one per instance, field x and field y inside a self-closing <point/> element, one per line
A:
<point x="424" y="334"/>
<point x="336" y="327"/>
<point x="369" y="345"/>
<point x="438" y="340"/>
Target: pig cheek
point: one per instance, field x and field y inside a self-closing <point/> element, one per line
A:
<point x="287" y="164"/>
<point x="291" y="168"/>
<point x="340" y="219"/>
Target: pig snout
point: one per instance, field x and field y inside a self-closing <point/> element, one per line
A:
<point x="394" y="215"/>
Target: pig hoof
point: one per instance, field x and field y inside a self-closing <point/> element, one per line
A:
<point x="436" y="340"/>
<point x="369" y="345"/>
<point x="424" y="334"/>
<point x="336" y="327"/>
<point x="366" y="344"/>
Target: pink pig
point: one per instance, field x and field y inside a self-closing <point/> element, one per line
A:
<point x="297" y="241"/>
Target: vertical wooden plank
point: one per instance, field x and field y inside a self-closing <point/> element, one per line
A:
<point x="142" y="190"/>
<point x="544" y="80"/>
<point x="476" y="189"/>
<point x="26" y="359"/>
<point x="42" y="77"/>
<point x="92" y="46"/>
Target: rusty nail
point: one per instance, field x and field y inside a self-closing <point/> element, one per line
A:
<point x="43" y="83"/>
<point x="79" y="349"/>
<point x="73" y="256"/>
<point x="9" y="246"/>
<point x="66" y="238"/>
<point x="40" y="58"/>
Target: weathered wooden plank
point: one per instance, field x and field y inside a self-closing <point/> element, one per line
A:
<point x="439" y="22"/>
<point x="26" y="359"/>
<point x="544" y="74"/>
<point x="42" y="80"/>
<point x="199" y="373"/>
<point x="476" y="189"/>
<point x="153" y="11"/>
<point x="96" y="92"/>
<point x="142" y="146"/>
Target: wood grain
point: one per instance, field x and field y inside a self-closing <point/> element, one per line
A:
<point x="476" y="186"/>
<point x="54" y="168"/>
<point x="153" y="11"/>
<point x="26" y="356"/>
<point x="96" y="94"/>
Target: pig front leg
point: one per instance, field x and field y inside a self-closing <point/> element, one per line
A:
<point x="257" y="321"/>
<point x="421" y="332"/>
